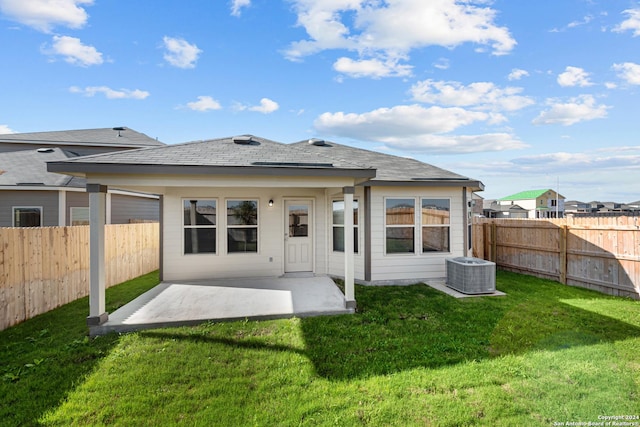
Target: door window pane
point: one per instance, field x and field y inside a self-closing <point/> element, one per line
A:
<point x="298" y="220"/>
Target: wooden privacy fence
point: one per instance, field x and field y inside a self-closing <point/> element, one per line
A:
<point x="596" y="253"/>
<point x="43" y="268"/>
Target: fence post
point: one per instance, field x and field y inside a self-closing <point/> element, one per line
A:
<point x="494" y="242"/>
<point x="563" y="254"/>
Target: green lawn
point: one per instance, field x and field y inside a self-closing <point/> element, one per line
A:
<point x="544" y="353"/>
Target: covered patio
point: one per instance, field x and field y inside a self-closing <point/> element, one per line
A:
<point x="180" y="303"/>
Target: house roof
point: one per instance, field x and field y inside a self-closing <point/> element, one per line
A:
<point x="254" y="155"/>
<point x="29" y="168"/>
<point x="246" y="154"/>
<point x="390" y="169"/>
<point x="106" y="137"/>
<point x="527" y="195"/>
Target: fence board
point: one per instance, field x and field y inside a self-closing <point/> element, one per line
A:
<point x="43" y="268"/>
<point x="595" y="253"/>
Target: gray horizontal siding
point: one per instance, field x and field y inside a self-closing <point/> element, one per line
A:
<point x="127" y="208"/>
<point x="47" y="199"/>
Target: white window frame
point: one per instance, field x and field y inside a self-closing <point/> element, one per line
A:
<point x="13" y="214"/>
<point x="75" y="209"/>
<point x="356" y="242"/>
<point x="448" y="226"/>
<point x="243" y="226"/>
<point x="416" y="235"/>
<point x="195" y="226"/>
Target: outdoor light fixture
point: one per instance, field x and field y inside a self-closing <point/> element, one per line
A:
<point x="270" y="202"/>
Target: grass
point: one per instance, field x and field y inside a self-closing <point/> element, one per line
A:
<point x="545" y="353"/>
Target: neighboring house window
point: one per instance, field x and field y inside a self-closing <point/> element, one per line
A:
<point x="242" y="226"/>
<point x="436" y="214"/>
<point x="27" y="216"/>
<point x="554" y="202"/>
<point x="338" y="226"/>
<point x="400" y="220"/>
<point x="199" y="226"/>
<point x="79" y="216"/>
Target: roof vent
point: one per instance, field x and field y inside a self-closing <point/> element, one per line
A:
<point x="119" y="129"/>
<point x="45" y="150"/>
<point x="317" y="142"/>
<point x="243" y="140"/>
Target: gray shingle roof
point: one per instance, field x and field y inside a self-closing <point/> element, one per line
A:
<point x="89" y="137"/>
<point x="389" y="167"/>
<point x="221" y="155"/>
<point x="29" y="167"/>
<point x="257" y="155"/>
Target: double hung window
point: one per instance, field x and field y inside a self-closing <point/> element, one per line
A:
<point x="338" y="226"/>
<point x="436" y="216"/>
<point x="199" y="226"/>
<point x="242" y="226"/>
<point x="400" y="223"/>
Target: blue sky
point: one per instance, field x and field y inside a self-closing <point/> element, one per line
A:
<point x="520" y="95"/>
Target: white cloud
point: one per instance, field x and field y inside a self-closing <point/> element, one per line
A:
<point x="74" y="52"/>
<point x="584" y="21"/>
<point x="204" y="103"/>
<point x="481" y="95"/>
<point x="574" y="76"/>
<point x="266" y="106"/>
<point x="577" y="110"/>
<point x="388" y="31"/>
<point x="632" y="23"/>
<point x="442" y="64"/>
<point x="416" y="128"/>
<point x="237" y="5"/>
<point x="5" y="129"/>
<point x="629" y="72"/>
<point x="402" y="120"/>
<point x="110" y="93"/>
<point x="43" y="15"/>
<point x="180" y="53"/>
<point x="517" y="74"/>
<point x="458" y="144"/>
<point x="371" y="68"/>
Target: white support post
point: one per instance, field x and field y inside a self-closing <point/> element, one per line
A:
<point x="62" y="208"/>
<point x="97" y="221"/>
<point x="349" y="292"/>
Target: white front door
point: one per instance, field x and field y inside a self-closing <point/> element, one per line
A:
<point x="298" y="237"/>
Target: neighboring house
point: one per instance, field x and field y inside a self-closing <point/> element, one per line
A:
<point x="81" y="142"/>
<point x="247" y="206"/>
<point x="493" y="209"/>
<point x="538" y="203"/>
<point x="596" y="208"/>
<point x="30" y="196"/>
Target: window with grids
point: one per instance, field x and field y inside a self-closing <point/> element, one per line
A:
<point x="27" y="216"/>
<point x="199" y="219"/>
<point x="436" y="216"/>
<point x="400" y="222"/>
<point x="338" y="226"/>
<point x="242" y="226"/>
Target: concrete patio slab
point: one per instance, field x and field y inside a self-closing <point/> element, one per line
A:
<point x="192" y="302"/>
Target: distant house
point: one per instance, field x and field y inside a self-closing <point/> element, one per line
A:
<point x="493" y="209"/>
<point x="30" y="196"/>
<point x="248" y="207"/>
<point x="597" y="208"/>
<point x="538" y="203"/>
